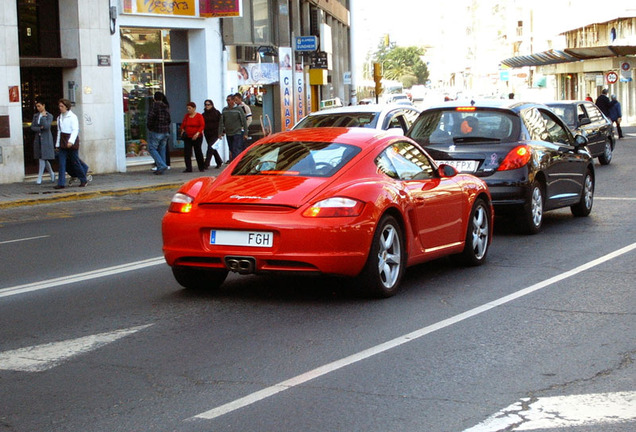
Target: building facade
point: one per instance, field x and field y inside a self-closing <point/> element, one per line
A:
<point x="109" y="57"/>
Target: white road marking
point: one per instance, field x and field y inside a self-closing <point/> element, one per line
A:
<point x="43" y="357"/>
<point x="614" y="199"/>
<point x="64" y="280"/>
<point x="331" y="367"/>
<point x="562" y="412"/>
<point x="24" y="239"/>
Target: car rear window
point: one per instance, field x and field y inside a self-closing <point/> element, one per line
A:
<point x="567" y="113"/>
<point x="366" y="119"/>
<point x="465" y="125"/>
<point x="296" y="158"/>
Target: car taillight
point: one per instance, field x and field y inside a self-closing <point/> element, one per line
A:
<point x="516" y="158"/>
<point x="181" y="203"/>
<point x="335" y="207"/>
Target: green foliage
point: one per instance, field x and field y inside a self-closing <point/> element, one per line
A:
<point x="399" y="63"/>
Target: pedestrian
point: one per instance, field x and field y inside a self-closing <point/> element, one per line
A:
<point x="43" y="145"/>
<point x="589" y="98"/>
<point x="234" y="125"/>
<point x="67" y="143"/>
<point x="158" y="123"/>
<point x="238" y="101"/>
<point x="616" y="114"/>
<point x="212" y="118"/>
<point x="192" y="127"/>
<point x="603" y="103"/>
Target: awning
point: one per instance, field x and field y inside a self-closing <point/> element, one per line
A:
<point x="569" y="55"/>
<point x="539" y="59"/>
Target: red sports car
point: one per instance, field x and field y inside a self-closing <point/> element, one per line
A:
<point x="350" y="202"/>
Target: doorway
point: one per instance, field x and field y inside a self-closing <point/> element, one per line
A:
<point x="45" y="83"/>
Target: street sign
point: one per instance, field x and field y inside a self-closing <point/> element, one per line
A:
<point x="611" y="77"/>
<point x="306" y="43"/>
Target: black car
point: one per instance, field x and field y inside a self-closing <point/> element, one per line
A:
<point x="585" y="118"/>
<point x="528" y="157"/>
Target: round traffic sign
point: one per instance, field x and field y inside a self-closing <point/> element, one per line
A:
<point x="625" y="66"/>
<point x="611" y="77"/>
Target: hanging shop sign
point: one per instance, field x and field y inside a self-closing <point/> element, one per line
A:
<point x="257" y="73"/>
<point x="286" y="88"/>
<point x="161" y="7"/>
<point x="220" y="8"/>
<point x="299" y="91"/>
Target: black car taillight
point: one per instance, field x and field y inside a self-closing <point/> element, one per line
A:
<point x="516" y="158"/>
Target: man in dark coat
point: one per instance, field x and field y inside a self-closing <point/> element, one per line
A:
<point x="603" y="103"/>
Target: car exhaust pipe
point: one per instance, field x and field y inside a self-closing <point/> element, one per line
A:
<point x="241" y="265"/>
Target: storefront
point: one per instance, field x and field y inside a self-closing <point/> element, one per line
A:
<point x="154" y="48"/>
<point x="152" y="60"/>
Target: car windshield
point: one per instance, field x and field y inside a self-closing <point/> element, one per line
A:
<point x="297" y="158"/>
<point x="355" y="119"/>
<point x="566" y="112"/>
<point x="464" y="125"/>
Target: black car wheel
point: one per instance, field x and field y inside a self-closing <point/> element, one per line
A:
<point x="383" y="271"/>
<point x="477" y="235"/>
<point x="584" y="207"/>
<point x="606" y="157"/>
<point x="532" y="212"/>
<point x="199" y="279"/>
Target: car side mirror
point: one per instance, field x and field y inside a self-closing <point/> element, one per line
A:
<point x="585" y="121"/>
<point x="581" y="140"/>
<point x="446" y="171"/>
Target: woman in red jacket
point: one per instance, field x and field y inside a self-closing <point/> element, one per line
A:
<point x="192" y="127"/>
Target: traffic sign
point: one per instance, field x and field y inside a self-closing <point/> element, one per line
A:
<point x="611" y="77"/>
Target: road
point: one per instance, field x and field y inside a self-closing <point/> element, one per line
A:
<point x="96" y="335"/>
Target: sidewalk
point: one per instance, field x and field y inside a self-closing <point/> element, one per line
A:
<point x="137" y="180"/>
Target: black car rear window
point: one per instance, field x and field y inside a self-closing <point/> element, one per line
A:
<point x="465" y="125"/>
<point x="296" y="158"/>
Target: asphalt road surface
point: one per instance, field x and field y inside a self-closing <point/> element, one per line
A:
<point x="96" y="335"/>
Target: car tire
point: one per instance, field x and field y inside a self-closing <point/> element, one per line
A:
<point x="199" y="279"/>
<point x="532" y="212"/>
<point x="385" y="264"/>
<point x="608" y="152"/>
<point x="477" y="235"/>
<point x="584" y="207"/>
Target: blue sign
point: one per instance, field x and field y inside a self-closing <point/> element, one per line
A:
<point x="306" y="43"/>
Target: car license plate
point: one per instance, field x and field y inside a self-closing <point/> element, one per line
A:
<point x="461" y="165"/>
<point x="242" y="238"/>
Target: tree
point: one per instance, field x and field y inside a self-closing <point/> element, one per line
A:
<point x="402" y="64"/>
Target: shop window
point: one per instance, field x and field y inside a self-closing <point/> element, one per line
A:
<point x="145" y="55"/>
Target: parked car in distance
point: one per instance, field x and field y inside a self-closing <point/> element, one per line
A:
<point x="341" y="201"/>
<point x="528" y="156"/>
<point x="402" y="99"/>
<point x="585" y="118"/>
<point x="373" y="116"/>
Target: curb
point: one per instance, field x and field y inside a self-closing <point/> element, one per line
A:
<point x="84" y="195"/>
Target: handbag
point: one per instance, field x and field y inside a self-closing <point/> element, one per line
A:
<point x="64" y="141"/>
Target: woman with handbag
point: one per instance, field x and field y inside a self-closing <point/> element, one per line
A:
<point x="192" y="127"/>
<point x="68" y="144"/>
<point x="212" y="117"/>
<point x="43" y="142"/>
